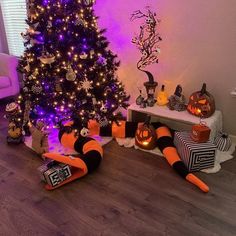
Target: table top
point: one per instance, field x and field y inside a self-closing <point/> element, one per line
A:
<point x="184" y="116"/>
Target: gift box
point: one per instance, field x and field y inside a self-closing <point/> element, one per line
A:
<point x="196" y="156"/>
<point x="54" y="173"/>
<point x="200" y="133"/>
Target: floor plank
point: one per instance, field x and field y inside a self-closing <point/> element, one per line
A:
<point x="132" y="193"/>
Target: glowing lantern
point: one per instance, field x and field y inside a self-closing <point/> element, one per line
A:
<point x="145" y="136"/>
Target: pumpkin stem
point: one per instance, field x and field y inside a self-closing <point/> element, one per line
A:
<point x="203" y="90"/>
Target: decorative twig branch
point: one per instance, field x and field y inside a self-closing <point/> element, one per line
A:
<point x="147" y="40"/>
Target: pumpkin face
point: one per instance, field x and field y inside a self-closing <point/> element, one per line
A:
<point x="201" y="103"/>
<point x="145" y="137"/>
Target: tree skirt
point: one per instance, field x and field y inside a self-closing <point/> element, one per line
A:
<point x="220" y="156"/>
<point x="56" y="147"/>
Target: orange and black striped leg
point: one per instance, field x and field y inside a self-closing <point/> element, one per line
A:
<point x="167" y="147"/>
<point x="82" y="164"/>
<point x="78" y="167"/>
<point x="124" y="129"/>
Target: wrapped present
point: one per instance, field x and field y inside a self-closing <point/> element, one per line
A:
<point x="200" y="133"/>
<point x="54" y="173"/>
<point x="196" y="156"/>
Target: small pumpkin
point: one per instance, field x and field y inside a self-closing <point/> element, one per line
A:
<point x="223" y="142"/>
<point x="162" y="97"/>
<point x="201" y="103"/>
<point x="145" y="136"/>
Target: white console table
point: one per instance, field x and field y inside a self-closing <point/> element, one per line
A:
<point x="184" y="117"/>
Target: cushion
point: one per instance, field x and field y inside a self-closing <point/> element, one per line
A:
<point x="4" y="82"/>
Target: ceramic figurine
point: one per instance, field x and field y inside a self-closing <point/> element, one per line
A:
<point x="140" y="98"/>
<point x="177" y="101"/>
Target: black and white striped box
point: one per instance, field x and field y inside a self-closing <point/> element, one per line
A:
<point x="196" y="156"/>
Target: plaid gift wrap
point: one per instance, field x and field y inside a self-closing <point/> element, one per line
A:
<point x="54" y="173"/>
<point x="196" y="156"/>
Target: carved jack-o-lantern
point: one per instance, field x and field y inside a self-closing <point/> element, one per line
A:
<point x="201" y="103"/>
<point x="146" y="137"/>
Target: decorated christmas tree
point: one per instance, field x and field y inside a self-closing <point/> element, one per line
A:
<point x="69" y="72"/>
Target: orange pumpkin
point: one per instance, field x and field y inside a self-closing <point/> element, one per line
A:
<point x="146" y="137"/>
<point x="201" y="103"/>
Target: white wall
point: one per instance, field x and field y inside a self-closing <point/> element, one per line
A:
<point x="199" y="45"/>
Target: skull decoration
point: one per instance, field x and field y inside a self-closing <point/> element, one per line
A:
<point x="201" y="103"/>
<point x="145" y="136"/>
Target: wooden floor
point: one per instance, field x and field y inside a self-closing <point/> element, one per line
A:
<point x="132" y="193"/>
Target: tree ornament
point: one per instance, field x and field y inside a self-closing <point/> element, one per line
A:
<point x="103" y="122"/>
<point x="32" y="32"/>
<point x="37" y="88"/>
<point x="27" y="67"/>
<point x="86" y="85"/>
<point x="162" y="97"/>
<point x="88" y="2"/>
<point x="92" y="53"/>
<point x="102" y="60"/>
<point x="49" y="25"/>
<point x="103" y="108"/>
<point x="145" y="136"/>
<point x="12" y="109"/>
<point x="58" y="87"/>
<point x="201" y="103"/>
<point x="70" y="75"/>
<point x="47" y="58"/>
<point x="79" y="21"/>
<point x="25" y="89"/>
<point x="25" y="36"/>
<point x="94" y="101"/>
<point x="107" y="90"/>
<point x="34" y="41"/>
<point x="83" y="55"/>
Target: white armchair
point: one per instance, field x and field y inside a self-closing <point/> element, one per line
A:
<point x="9" y="83"/>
